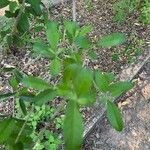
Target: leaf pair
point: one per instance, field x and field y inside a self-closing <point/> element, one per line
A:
<point x="105" y="83"/>
<point x="77" y="35"/>
<point x="46" y="94"/>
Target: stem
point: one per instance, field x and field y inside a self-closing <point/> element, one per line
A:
<point x="74" y="10"/>
<point x="19" y="134"/>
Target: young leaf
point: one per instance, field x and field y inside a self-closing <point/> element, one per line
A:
<point x="83" y="81"/>
<point x="71" y="27"/>
<point x="102" y="81"/>
<point x="35" y="4"/>
<point x="23" y="23"/>
<point x="120" y="87"/>
<point x="44" y="97"/>
<point x="85" y="29"/>
<point x="4" y="3"/>
<point x="53" y="34"/>
<point x="112" y="39"/>
<point x="70" y="71"/>
<point x="88" y="98"/>
<point x="35" y="83"/>
<point x="114" y="116"/>
<point x="6" y="128"/>
<point x="73" y="127"/>
<point x="13" y="6"/>
<point x="55" y="67"/>
<point x="5" y="96"/>
<point x="82" y="42"/>
<point x="41" y="48"/>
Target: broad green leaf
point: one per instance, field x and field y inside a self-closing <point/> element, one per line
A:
<point x="22" y="106"/>
<point x="6" y="129"/>
<point x="41" y="48"/>
<point x="112" y="39"/>
<point x="53" y="34"/>
<point x="35" y="4"/>
<point x="114" y="116"/>
<point x="35" y="83"/>
<point x="103" y="80"/>
<point x="85" y="29"/>
<point x="70" y="71"/>
<point x="87" y="99"/>
<point x="82" y="42"/>
<point x="83" y="81"/>
<point x="23" y="23"/>
<point x="4" y="3"/>
<point x="120" y="87"/>
<point x="73" y="127"/>
<point x="5" y="96"/>
<point x="44" y="96"/>
<point x="55" y="67"/>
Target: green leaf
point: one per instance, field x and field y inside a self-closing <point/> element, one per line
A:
<point x="112" y="39"/>
<point x="13" y="83"/>
<point x="73" y="127"/>
<point x="4" y="3"/>
<point x="55" y="67"/>
<point x="84" y="30"/>
<point x="82" y="42"/>
<point x="35" y="4"/>
<point x="23" y="23"/>
<point x="6" y="128"/>
<point x="87" y="99"/>
<point x="83" y="81"/>
<point x="23" y="106"/>
<point x="18" y="146"/>
<point x="53" y="34"/>
<point x="35" y="83"/>
<point x="13" y="6"/>
<point x="41" y="48"/>
<point x="18" y="75"/>
<point x="103" y="80"/>
<point x="70" y="71"/>
<point x="114" y="116"/>
<point x="120" y="87"/>
<point x="71" y="27"/>
<point x="5" y="96"/>
<point x="44" y="96"/>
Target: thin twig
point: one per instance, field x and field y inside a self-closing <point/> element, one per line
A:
<point x="22" y="128"/>
<point x="74" y="10"/>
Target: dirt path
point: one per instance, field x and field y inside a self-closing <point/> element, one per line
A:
<point x="136" y="112"/>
